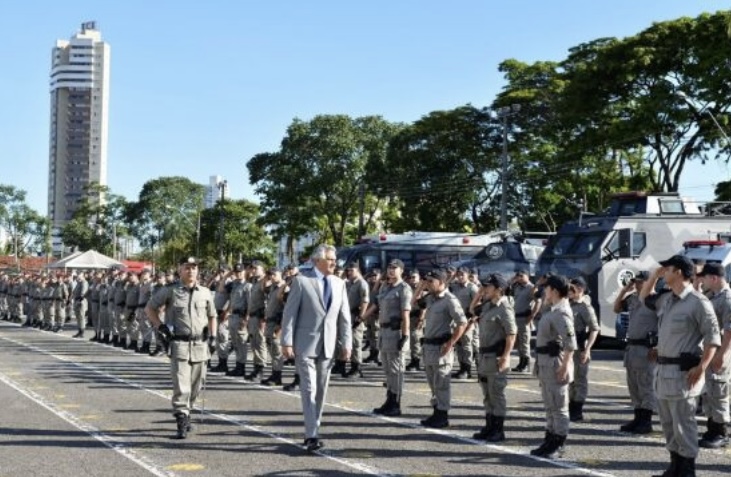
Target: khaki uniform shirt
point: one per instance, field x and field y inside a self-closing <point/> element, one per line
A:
<point x="523" y="296"/>
<point x="497" y="322"/>
<point x="358" y="293"/>
<point x="392" y="301"/>
<point x="257" y="299"/>
<point x="443" y="314"/>
<point x="556" y="324"/>
<point x="584" y="321"/>
<point x="464" y="293"/>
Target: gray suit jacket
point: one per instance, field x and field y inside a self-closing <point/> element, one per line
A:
<point x="307" y="325"/>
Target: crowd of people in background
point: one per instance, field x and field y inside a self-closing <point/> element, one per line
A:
<point x="409" y="323"/>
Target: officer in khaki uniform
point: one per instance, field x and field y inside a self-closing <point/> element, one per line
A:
<point x="394" y="308"/>
<point x="81" y="303"/>
<point x="555" y="345"/>
<point x="192" y="320"/>
<point x="716" y="397"/>
<point x="465" y="291"/>
<point x="416" y="320"/>
<point x="358" y="299"/>
<point x="687" y="339"/>
<point x="256" y="321"/>
<point x="498" y="330"/>
<point x="132" y="299"/>
<point x="523" y="291"/>
<point x="444" y="313"/>
<point x="237" y="291"/>
<point x="274" y="309"/>
<point x="641" y="338"/>
<point x="586" y="329"/>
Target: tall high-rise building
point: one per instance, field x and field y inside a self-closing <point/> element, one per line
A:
<point x="79" y="116"/>
<point x="216" y="186"/>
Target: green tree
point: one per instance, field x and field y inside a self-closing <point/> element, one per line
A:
<point x="317" y="174"/>
<point x="165" y="215"/>
<point x="27" y="229"/>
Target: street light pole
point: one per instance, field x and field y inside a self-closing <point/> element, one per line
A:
<point x="222" y="187"/>
<point x="682" y="95"/>
<point x="503" y="114"/>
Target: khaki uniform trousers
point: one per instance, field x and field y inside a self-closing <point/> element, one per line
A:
<point x="187" y="377"/>
<point x="274" y="345"/>
<point x="579" y="387"/>
<point x="493" y="384"/>
<point x="393" y="359"/>
<point x="438" y="371"/>
<point x="224" y="344"/>
<point x="257" y="330"/>
<point x="358" y="338"/>
<point x="555" y="398"/>
<point x="238" y="328"/>
<point x="522" y="339"/>
<point x="716" y="397"/>
<point x="80" y="309"/>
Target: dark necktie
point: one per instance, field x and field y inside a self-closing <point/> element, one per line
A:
<point x="326" y="293"/>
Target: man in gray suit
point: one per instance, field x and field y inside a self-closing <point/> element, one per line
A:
<point x="316" y="317"/>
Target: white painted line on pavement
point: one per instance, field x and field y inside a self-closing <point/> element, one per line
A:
<point x="117" y="446"/>
<point x="358" y="466"/>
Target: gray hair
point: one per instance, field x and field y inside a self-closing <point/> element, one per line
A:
<point x="321" y="251"/>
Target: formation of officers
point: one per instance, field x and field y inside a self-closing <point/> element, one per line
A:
<point x="678" y="338"/>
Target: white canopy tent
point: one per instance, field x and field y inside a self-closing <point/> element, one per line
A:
<point x="91" y="259"/>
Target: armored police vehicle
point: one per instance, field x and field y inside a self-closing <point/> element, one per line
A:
<point x="421" y="251"/>
<point x="635" y="233"/>
<point x="508" y="254"/>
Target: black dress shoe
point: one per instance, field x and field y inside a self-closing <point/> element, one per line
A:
<point x="313" y="444"/>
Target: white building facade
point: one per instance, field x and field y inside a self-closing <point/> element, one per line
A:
<point x="79" y="87"/>
<point x="216" y="184"/>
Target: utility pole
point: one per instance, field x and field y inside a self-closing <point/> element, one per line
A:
<point x="222" y="188"/>
<point x="361" y="219"/>
<point x="503" y="114"/>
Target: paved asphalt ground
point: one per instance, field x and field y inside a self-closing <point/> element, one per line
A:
<point x="75" y="408"/>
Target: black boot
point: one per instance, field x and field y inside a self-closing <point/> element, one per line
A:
<point x="79" y="334"/>
<point x="293" y="385"/>
<point x="355" y="371"/>
<point x="106" y="339"/>
<point x="114" y="341"/>
<point x="555" y="447"/>
<point x="94" y="338"/>
<point x="274" y="380"/>
<point x="395" y="409"/>
<point x="338" y="368"/>
<point x="414" y="365"/>
<point x="183" y="422"/>
<point x="671" y="471"/>
<point x="686" y="467"/>
<point x="465" y="371"/>
<point x="631" y="425"/>
<point x="644" y="422"/>
<point x="388" y="404"/>
<point x="132" y="346"/>
<point x="372" y="357"/>
<point x="222" y="366"/>
<point x="238" y="371"/>
<point x="485" y="431"/>
<point x="145" y="347"/>
<point x="716" y="437"/>
<point x="439" y="420"/>
<point x="576" y="411"/>
<point x="522" y="365"/>
<point x="541" y="448"/>
<point x="255" y="374"/>
<point x="497" y="434"/>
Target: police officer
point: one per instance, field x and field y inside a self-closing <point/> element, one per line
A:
<point x="465" y="292"/>
<point x="416" y="321"/>
<point x="192" y="320"/>
<point x="274" y="309"/>
<point x="716" y="397"/>
<point x="132" y="299"/>
<point x="444" y="325"/>
<point x="81" y="304"/>
<point x="238" y="292"/>
<point x="145" y="331"/>
<point x="586" y="329"/>
<point x="555" y="345"/>
<point x="641" y="338"/>
<point x="688" y="336"/>
<point x="498" y="330"/>
<point x="256" y="319"/>
<point x="358" y="298"/>
<point x="119" y="326"/>
<point x="394" y="308"/>
<point x="373" y="328"/>
<point x="523" y="291"/>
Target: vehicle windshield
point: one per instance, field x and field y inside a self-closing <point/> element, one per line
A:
<point x="579" y="245"/>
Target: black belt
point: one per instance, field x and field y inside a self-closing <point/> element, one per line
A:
<point x="639" y="342"/>
<point x="552" y="349"/>
<point x="187" y="338"/>
<point x="239" y="312"/>
<point x="667" y="360"/>
<point x="142" y="305"/>
<point x="525" y="314"/>
<point x="440" y="340"/>
<point x="496" y="348"/>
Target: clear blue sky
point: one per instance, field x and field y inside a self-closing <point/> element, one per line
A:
<point x="197" y="88"/>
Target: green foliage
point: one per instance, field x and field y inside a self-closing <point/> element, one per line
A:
<point x="97" y="224"/>
<point x="28" y="231"/>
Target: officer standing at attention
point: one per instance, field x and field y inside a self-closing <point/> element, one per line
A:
<point x="586" y="329"/>
<point x="555" y="345"/>
<point x="192" y="319"/>
<point x="81" y="305"/>
<point x="524" y="313"/>
<point x="498" y="330"/>
<point x="274" y="310"/>
<point x="716" y="397"/>
<point x="232" y="332"/>
<point x="358" y="299"/>
<point x="465" y="291"/>
<point x="257" y="319"/>
<point x="687" y="339"/>
<point x="394" y="308"/>
<point x="416" y="321"/>
<point x="444" y="324"/>
<point x="641" y="338"/>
